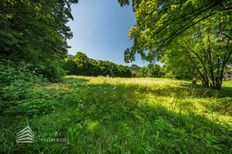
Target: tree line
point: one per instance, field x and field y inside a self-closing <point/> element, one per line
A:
<point x="81" y="64"/>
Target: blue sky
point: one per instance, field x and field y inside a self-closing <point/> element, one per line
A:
<point x="100" y="29"/>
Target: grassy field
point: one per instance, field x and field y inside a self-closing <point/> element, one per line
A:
<point x="120" y="115"/>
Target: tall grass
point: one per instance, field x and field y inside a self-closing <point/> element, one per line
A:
<point x="121" y="115"/>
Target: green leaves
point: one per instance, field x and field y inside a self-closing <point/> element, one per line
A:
<point x="80" y="64"/>
<point x="36" y="32"/>
<point x="33" y="30"/>
<point x="197" y="32"/>
<point x="167" y="20"/>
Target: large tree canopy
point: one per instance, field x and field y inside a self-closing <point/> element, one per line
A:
<point x="200" y="31"/>
<point x="33" y="30"/>
<point x="159" y="22"/>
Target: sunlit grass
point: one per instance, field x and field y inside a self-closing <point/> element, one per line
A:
<point x="125" y="115"/>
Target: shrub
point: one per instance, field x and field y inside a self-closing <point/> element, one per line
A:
<point x="52" y="70"/>
<point x="15" y="79"/>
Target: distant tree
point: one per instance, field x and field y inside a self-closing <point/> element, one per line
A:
<point x="143" y="72"/>
<point x="154" y="70"/>
<point x="71" y="67"/>
<point x="124" y="71"/>
<point x="176" y="65"/>
<point x="80" y="64"/>
<point x="228" y="72"/>
<point x="93" y="67"/>
<point x="134" y="70"/>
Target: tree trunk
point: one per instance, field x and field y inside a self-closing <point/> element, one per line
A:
<point x="194" y="81"/>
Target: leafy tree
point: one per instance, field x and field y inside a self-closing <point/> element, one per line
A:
<point x="159" y="22"/>
<point x="134" y="69"/>
<point x="177" y="65"/>
<point x="202" y="52"/>
<point x="34" y="29"/>
<point x="208" y="50"/>
<point x="162" y="24"/>
<point x="143" y="72"/>
<point x="35" y="32"/>
<point x="82" y="63"/>
<point x="71" y="67"/>
<point x="154" y="70"/>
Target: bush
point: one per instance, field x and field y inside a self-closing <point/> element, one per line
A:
<point x="51" y="70"/>
<point x="15" y="79"/>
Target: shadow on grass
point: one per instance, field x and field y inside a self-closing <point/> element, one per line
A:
<point x="226" y="92"/>
<point x="223" y="92"/>
<point x="117" y="119"/>
<point x="221" y="99"/>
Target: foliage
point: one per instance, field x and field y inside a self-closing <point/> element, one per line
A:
<point x="176" y="65"/>
<point x="207" y="51"/>
<point x="80" y="64"/>
<point x="119" y="115"/>
<point x="34" y="29"/>
<point x="134" y="69"/>
<point x="163" y="25"/>
<point x="22" y="89"/>
<point x="36" y="32"/>
<point x="38" y="99"/>
<point x="228" y="72"/>
<point x="15" y="79"/>
<point x="158" y="23"/>
<point x="143" y="72"/>
<point x="152" y="70"/>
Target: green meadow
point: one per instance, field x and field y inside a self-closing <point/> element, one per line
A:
<point x="121" y="115"/>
